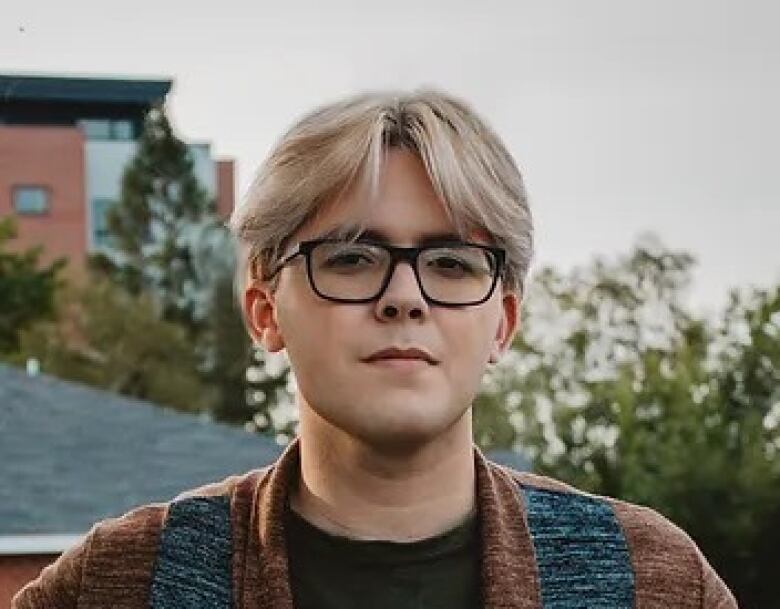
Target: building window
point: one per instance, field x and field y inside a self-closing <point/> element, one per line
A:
<point x="100" y="233"/>
<point x="96" y="129"/>
<point x="122" y="130"/>
<point x="31" y="200"/>
<point x="105" y="129"/>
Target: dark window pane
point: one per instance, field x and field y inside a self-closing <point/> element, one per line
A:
<point x="100" y="232"/>
<point x="31" y="200"/>
<point x="122" y="130"/>
<point x="96" y="129"/>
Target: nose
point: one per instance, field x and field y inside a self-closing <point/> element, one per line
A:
<point x="402" y="297"/>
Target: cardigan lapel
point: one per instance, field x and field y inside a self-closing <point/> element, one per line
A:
<point x="509" y="572"/>
<point x="267" y="582"/>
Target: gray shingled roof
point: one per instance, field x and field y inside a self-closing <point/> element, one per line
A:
<point x="71" y="455"/>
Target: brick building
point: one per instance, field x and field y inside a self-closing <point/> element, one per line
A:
<point x="64" y="144"/>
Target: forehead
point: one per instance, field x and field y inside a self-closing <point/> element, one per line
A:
<point x="390" y="225"/>
<point x="399" y="205"/>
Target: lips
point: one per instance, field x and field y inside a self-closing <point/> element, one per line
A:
<point x="395" y="353"/>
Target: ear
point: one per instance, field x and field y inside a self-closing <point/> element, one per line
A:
<point x="508" y="325"/>
<point x="259" y="306"/>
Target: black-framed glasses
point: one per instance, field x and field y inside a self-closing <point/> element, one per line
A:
<point x="451" y="275"/>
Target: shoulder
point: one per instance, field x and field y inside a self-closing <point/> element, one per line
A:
<point x="133" y="538"/>
<point x="668" y="568"/>
<point x="117" y="554"/>
<point x="668" y="565"/>
<point x="139" y="529"/>
<point x="231" y="487"/>
<point x="647" y="532"/>
<point x="114" y="562"/>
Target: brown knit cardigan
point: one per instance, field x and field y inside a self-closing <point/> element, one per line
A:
<point x="113" y="565"/>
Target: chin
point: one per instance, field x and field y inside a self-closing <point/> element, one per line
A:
<point x="392" y="420"/>
<point x="406" y="430"/>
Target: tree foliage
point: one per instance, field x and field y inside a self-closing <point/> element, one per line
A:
<point x="157" y="222"/>
<point x="113" y="340"/>
<point x="616" y="388"/>
<point x="169" y="244"/>
<point x="27" y="290"/>
<point x="271" y="395"/>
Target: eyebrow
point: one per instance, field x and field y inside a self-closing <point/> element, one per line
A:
<point x="378" y="236"/>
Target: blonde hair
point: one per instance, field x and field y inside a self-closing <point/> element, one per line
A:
<point x="341" y="143"/>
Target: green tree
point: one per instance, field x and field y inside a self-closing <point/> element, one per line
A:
<point x="168" y="243"/>
<point x="241" y="394"/>
<point x="747" y="351"/>
<point x="27" y="290"/>
<point x="156" y="222"/>
<point x="225" y="352"/>
<point x="110" y="339"/>
<point x="271" y="395"/>
<point x="615" y="387"/>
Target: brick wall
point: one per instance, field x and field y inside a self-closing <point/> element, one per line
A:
<point x="226" y="188"/>
<point x="51" y="157"/>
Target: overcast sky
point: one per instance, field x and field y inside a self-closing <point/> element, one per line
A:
<point x="625" y="117"/>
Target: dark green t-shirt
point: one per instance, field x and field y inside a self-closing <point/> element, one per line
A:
<point x="331" y="572"/>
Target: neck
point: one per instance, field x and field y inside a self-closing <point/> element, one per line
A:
<point x="348" y="488"/>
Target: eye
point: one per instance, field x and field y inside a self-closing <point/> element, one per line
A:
<point x="349" y="258"/>
<point x="450" y="265"/>
<point x="457" y="262"/>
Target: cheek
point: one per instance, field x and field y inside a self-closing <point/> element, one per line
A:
<point x="468" y="345"/>
<point x="316" y="333"/>
<point x="470" y="338"/>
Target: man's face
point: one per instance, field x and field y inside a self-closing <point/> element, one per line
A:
<point x="390" y="403"/>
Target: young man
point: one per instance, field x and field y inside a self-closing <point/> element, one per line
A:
<point x="384" y="246"/>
